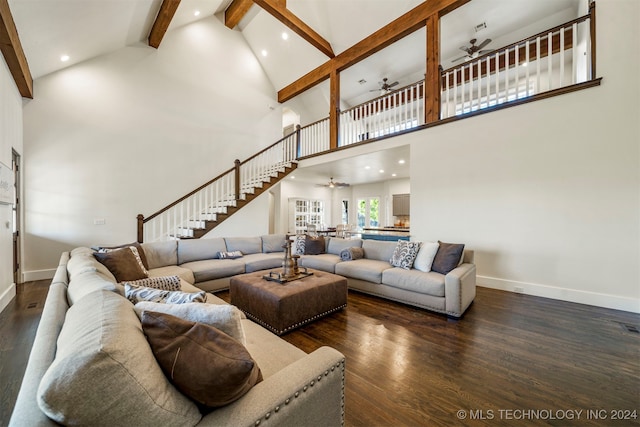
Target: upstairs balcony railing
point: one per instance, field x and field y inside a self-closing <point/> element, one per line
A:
<point x="552" y="61"/>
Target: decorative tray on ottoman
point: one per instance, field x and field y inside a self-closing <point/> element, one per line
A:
<point x="275" y="276"/>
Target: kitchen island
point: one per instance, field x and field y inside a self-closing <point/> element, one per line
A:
<point x="386" y="233"/>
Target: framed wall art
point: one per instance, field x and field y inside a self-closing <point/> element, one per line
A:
<point x="6" y="184"/>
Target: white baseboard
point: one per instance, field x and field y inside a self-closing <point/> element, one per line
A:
<point x="7" y="296"/>
<point x="572" y="295"/>
<point x="29" y="276"/>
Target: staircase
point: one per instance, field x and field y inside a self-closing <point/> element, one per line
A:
<point x="209" y="205"/>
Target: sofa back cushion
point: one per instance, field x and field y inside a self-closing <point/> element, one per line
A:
<point x="273" y="243"/>
<point x="198" y="249"/>
<point x="378" y="249"/>
<point x="161" y="254"/>
<point x="246" y="245"/>
<point x="105" y="370"/>
<point x="336" y="245"/>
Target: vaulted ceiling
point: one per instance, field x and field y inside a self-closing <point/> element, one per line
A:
<point x="83" y="29"/>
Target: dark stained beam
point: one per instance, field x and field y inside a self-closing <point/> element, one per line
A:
<point x="236" y="11"/>
<point x="432" y="74"/>
<point x="334" y="110"/>
<point x="11" y="49"/>
<point x="284" y="15"/>
<point x="161" y="24"/>
<point x="387" y="35"/>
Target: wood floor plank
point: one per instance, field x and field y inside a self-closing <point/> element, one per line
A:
<point x="409" y="367"/>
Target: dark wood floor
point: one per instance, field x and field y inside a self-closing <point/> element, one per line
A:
<point x="512" y="360"/>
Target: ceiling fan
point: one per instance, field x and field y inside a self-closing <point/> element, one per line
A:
<point x="384" y="86"/>
<point x="333" y="184"/>
<point x="474" y="50"/>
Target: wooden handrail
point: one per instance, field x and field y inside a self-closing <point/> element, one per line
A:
<point x="266" y="149"/>
<point x="166" y="208"/>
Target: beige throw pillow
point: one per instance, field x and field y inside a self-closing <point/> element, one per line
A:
<point x="226" y="318"/>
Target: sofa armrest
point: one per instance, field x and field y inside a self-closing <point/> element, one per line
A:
<point x="459" y="289"/>
<point x="308" y="392"/>
<point x="26" y="411"/>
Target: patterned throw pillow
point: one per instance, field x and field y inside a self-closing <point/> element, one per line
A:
<point x="164" y="283"/>
<point x="405" y="254"/>
<point x="136" y="294"/>
<point x="299" y="245"/>
<point x="229" y="255"/>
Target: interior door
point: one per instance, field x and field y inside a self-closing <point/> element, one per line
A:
<point x="16" y="217"/>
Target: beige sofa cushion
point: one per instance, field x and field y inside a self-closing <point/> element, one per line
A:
<point x="246" y="245"/>
<point x="161" y="254"/>
<point x="173" y="270"/>
<point x="337" y="244"/>
<point x="90" y="281"/>
<point x="273" y="243"/>
<point x="430" y="283"/>
<point x="324" y="262"/>
<point x="215" y="268"/>
<point x="190" y="250"/>
<point x="380" y="250"/>
<point x="104" y="371"/>
<point x="363" y="269"/>
<point x="256" y="262"/>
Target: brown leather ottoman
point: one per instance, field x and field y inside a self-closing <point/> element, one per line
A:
<point x="283" y="307"/>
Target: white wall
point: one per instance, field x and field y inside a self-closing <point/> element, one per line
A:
<point x="10" y="139"/>
<point x="129" y="132"/>
<point x="547" y="194"/>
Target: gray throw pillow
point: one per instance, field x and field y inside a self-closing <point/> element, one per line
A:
<point x="448" y="257"/>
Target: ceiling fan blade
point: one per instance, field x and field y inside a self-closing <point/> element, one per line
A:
<point x="484" y="43"/>
<point x="465" y="49"/>
<point x="458" y="59"/>
<point x="392" y="84"/>
<point x="482" y="52"/>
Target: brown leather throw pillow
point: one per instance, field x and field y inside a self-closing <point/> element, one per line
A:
<point x="203" y="362"/>
<point x="314" y="245"/>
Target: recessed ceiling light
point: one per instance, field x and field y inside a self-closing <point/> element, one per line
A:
<point x="285" y="36"/>
<point x="401" y="161"/>
<point x="264" y="52"/>
<point x="64" y="58"/>
<point x="394" y="174"/>
<point x="196" y="13"/>
<point x="524" y="64"/>
<point x="293" y="177"/>
<point x="381" y="171"/>
<point x="367" y="167"/>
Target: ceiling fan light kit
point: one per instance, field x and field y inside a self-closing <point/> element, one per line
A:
<point x="333" y="184"/>
<point x="474" y="50"/>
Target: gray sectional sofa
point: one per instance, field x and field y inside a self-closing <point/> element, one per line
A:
<point x="298" y="388"/>
<point x="89" y="331"/>
<point x="195" y="261"/>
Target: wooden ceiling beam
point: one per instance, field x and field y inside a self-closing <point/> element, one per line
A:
<point x="284" y="15"/>
<point x="387" y="35"/>
<point x="12" y="51"/>
<point x="236" y="11"/>
<point x="163" y="19"/>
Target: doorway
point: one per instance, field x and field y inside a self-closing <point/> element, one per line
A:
<point x="15" y="165"/>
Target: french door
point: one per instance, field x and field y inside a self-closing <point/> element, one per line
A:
<point x="15" y="164"/>
<point x="369" y="212"/>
